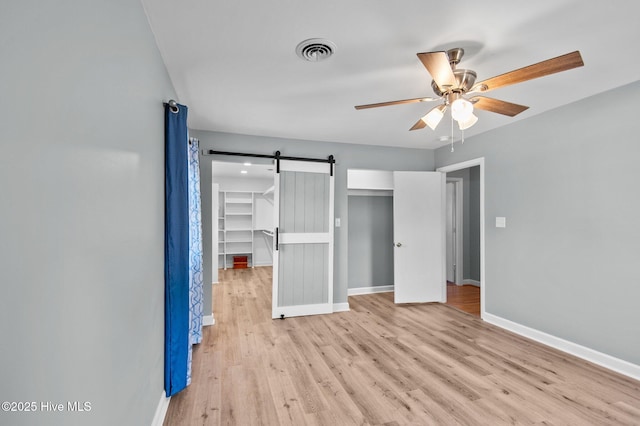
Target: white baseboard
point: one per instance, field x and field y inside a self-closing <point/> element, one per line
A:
<point x="161" y="410"/>
<point x="471" y="282"/>
<point x="341" y="307"/>
<point x="208" y="320"/>
<point x="369" y="290"/>
<point x="602" y="359"/>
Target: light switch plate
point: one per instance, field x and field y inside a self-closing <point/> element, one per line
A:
<point x="337" y="222"/>
<point x="501" y="222"/>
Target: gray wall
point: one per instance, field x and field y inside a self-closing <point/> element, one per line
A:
<point x="370" y="241"/>
<point x="81" y="216"/>
<point x="347" y="156"/>
<point x="567" y="182"/>
<point x="470" y="221"/>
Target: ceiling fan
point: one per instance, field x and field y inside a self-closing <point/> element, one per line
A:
<point x="458" y="90"/>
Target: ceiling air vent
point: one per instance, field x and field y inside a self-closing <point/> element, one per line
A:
<point x="315" y="49"/>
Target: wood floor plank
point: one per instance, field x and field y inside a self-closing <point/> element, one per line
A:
<point x="333" y="392"/>
<point x="284" y="395"/>
<point x="373" y="407"/>
<point x="384" y="364"/>
<point x="464" y="297"/>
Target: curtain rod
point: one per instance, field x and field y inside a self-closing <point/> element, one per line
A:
<point x="275" y="156"/>
<point x="173" y="105"/>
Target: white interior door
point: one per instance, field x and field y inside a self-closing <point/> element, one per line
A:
<point x="419" y="234"/>
<point x="303" y="239"/>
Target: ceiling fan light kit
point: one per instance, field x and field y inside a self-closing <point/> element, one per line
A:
<point x="464" y="125"/>
<point x="461" y="109"/>
<point x="433" y="117"/>
<point x="453" y="86"/>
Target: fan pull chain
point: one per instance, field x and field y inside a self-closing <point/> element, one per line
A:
<point x="463" y="136"/>
<point x="452" y="133"/>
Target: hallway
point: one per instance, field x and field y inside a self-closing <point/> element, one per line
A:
<point x="464" y="297"/>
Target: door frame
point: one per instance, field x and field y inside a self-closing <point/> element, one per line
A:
<point x="364" y="180"/>
<point x="465" y="165"/>
<point x="215" y="233"/>
<point x="277" y="156"/>
<point x="459" y="209"/>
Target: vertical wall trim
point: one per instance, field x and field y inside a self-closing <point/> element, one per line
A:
<point x="341" y="307"/>
<point x="208" y="320"/>
<point x="459" y="203"/>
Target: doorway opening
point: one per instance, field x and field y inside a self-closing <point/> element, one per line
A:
<point x="292" y="205"/>
<point x="396" y="224"/>
<point x="242" y="210"/>
<point x="466" y="287"/>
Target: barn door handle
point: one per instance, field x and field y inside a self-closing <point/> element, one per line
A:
<point x="277" y="233"/>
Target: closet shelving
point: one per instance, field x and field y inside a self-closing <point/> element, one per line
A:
<point x="235" y="226"/>
<point x="269" y="191"/>
<point x="245" y="227"/>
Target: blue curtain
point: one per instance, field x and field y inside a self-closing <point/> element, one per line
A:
<point x="195" y="251"/>
<point x="176" y="251"/>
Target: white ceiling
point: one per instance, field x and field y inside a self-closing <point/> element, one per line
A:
<point x="234" y="63"/>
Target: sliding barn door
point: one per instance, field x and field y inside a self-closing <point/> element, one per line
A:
<point x="419" y="237"/>
<point x="303" y="239"/>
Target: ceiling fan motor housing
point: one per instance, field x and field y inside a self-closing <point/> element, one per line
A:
<point x="455" y="56"/>
<point x="465" y="80"/>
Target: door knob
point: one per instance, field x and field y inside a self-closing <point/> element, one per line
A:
<point x="398" y="244"/>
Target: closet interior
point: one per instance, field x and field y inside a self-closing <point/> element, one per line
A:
<point x="243" y="199"/>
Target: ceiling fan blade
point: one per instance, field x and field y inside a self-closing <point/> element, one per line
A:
<point x="404" y="101"/>
<point x="550" y="66"/>
<point x="420" y="124"/>
<point x="496" y="105"/>
<point x="437" y="63"/>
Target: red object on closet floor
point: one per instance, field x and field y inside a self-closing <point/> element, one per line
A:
<point x="240" y="262"/>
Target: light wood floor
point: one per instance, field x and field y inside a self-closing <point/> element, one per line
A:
<point x="382" y="364"/>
